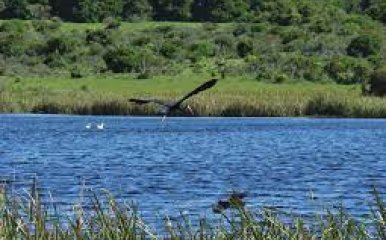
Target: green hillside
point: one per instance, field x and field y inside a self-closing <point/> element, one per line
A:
<point x="258" y="43"/>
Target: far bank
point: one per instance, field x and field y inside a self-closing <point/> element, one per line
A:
<point x="231" y="97"/>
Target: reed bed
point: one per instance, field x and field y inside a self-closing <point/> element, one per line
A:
<point x="229" y="99"/>
<point x="106" y="218"/>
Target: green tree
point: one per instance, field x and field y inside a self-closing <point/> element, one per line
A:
<point x="64" y="8"/>
<point x="15" y="9"/>
<point x="137" y="10"/>
<point x="377" y="9"/>
<point x="172" y="9"/>
<point x="378" y="82"/>
<point x="219" y="10"/>
<point x="282" y="12"/>
<point x="97" y="10"/>
<point x="244" y="47"/>
<point x="363" y="46"/>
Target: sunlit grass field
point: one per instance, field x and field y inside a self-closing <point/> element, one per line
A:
<point x="232" y="96"/>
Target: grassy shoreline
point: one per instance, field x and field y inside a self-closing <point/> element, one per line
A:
<point x="232" y="97"/>
<point x="108" y="218"/>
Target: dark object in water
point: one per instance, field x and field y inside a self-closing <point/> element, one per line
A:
<point x="168" y="107"/>
<point x="235" y="200"/>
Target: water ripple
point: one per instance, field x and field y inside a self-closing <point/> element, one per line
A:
<point x="190" y="163"/>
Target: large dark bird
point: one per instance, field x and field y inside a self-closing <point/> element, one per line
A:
<point x="168" y="107"/>
<point x="235" y="200"/>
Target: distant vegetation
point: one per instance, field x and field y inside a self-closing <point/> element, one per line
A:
<point x="286" y="41"/>
<point x="283" y="12"/>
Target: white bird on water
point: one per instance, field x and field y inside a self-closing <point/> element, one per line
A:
<point x="101" y="126"/>
<point x="88" y="125"/>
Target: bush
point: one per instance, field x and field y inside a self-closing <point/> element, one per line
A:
<point x="363" y="46"/>
<point x="258" y="27"/>
<point x="282" y="12"/>
<point x="10" y="44"/>
<point x="377" y="10"/>
<point x="76" y="73"/>
<point x="321" y="25"/>
<point x="141" y="40"/>
<point x="170" y="49"/>
<point x="99" y="36"/>
<point x="39" y="11"/>
<point x="241" y="29"/>
<point x="18" y="26"/>
<point x="111" y="23"/>
<point x="378" y="82"/>
<point x="200" y="50"/>
<point x="45" y="25"/>
<point x="120" y="60"/>
<point x="55" y="60"/>
<point x="125" y="60"/>
<point x="291" y="34"/>
<point x="224" y="43"/>
<point x="280" y="78"/>
<point x="244" y="47"/>
<point x="60" y="44"/>
<point x="348" y="70"/>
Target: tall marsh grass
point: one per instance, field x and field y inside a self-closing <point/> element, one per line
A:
<point x="106" y="218"/>
<point x="244" y="98"/>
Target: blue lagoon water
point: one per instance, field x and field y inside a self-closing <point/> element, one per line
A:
<point x="301" y="165"/>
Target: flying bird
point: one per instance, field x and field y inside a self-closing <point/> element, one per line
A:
<point x="167" y="108"/>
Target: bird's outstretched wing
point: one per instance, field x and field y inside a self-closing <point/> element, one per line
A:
<point x="202" y="87"/>
<point x="146" y="101"/>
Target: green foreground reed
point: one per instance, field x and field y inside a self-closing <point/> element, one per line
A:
<point x="230" y="97"/>
<point x="28" y="218"/>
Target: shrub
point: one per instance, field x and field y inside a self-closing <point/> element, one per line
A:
<point x="378" y="82"/>
<point x="244" y="47"/>
<point x="170" y="49"/>
<point x="39" y="11"/>
<point x="60" y="44"/>
<point x="377" y="10"/>
<point x="201" y="49"/>
<point x="14" y="26"/>
<point x="363" y="46"/>
<point x="241" y="29"/>
<point x="141" y="40"/>
<point x="280" y="78"/>
<point x="45" y="25"/>
<point x="321" y="25"/>
<point x="292" y="34"/>
<point x="258" y="27"/>
<point x="282" y="12"/>
<point x="11" y="44"/>
<point x="111" y="23"/>
<point x="55" y="60"/>
<point x="348" y="70"/>
<point x="224" y="43"/>
<point x="120" y="60"/>
<point x="99" y="36"/>
<point x="76" y="73"/>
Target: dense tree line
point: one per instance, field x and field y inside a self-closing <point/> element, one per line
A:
<point x="284" y="12"/>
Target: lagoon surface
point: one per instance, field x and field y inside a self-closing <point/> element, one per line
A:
<point x="300" y="165"/>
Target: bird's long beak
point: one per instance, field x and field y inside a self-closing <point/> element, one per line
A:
<point x="190" y="110"/>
